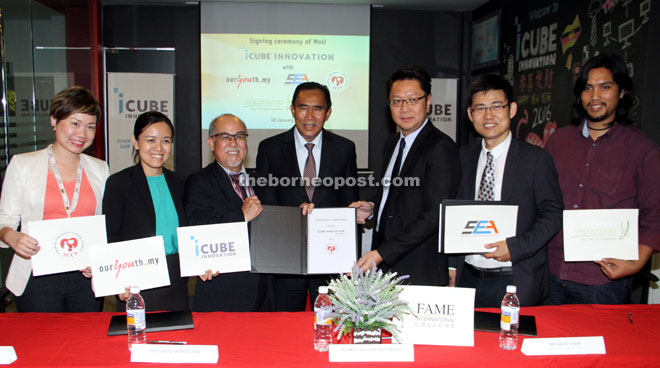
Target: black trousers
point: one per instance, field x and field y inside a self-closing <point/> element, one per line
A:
<point x="290" y="291"/>
<point x="59" y="293"/>
<point x="490" y="290"/>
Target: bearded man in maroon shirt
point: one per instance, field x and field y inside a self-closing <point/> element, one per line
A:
<point x="604" y="163"/>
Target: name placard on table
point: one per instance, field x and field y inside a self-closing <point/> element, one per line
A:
<point x="139" y="262"/>
<point x="65" y="243"/>
<point x="221" y="248"/>
<point x="591" y="235"/>
<point x="156" y="353"/>
<point x="564" y="346"/>
<point x="466" y="226"/>
<point x="371" y="353"/>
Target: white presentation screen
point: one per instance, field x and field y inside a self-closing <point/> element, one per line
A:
<point x="254" y="55"/>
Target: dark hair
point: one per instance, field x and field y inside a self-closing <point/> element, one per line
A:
<point x="489" y="82"/>
<point x="148" y="118"/>
<point x="74" y="100"/>
<point x="619" y="71"/>
<point x="312" y="85"/>
<point x="145" y="120"/>
<point x="410" y="72"/>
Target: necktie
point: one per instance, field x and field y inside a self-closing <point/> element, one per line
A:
<point x="395" y="173"/>
<point x="399" y="156"/>
<point x="240" y="190"/>
<point x="310" y="171"/>
<point x="487" y="185"/>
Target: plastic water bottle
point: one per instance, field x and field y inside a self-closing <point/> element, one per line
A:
<point x="509" y="319"/>
<point x="322" y="324"/>
<point x="136" y="323"/>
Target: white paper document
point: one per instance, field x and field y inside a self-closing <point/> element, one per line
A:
<point x="139" y="262"/>
<point x="443" y="316"/>
<point x="157" y="353"/>
<point x="65" y="243"/>
<point x="371" y="353"/>
<point x="591" y="235"/>
<point x="467" y="228"/>
<point x="7" y="354"/>
<point x="220" y="248"/>
<point x="331" y="240"/>
<point x="564" y="346"/>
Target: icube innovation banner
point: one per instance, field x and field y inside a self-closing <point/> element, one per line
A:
<point x="129" y="95"/>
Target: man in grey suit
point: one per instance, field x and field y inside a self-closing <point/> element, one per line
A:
<point x="503" y="168"/>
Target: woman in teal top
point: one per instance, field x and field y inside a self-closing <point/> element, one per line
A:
<point x="147" y="200"/>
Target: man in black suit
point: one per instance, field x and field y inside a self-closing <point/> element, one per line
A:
<point x="515" y="172"/>
<point x="218" y="194"/>
<point x="304" y="152"/>
<point x="406" y="236"/>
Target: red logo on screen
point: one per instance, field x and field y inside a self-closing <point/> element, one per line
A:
<point x="337" y="81"/>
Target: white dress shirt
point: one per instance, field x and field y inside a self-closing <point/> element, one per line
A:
<point x="499" y="161"/>
<point x="301" y="150"/>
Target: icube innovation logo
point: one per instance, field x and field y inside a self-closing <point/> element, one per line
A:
<point x="134" y="106"/>
<point x="480" y="227"/>
<point x="214" y="250"/>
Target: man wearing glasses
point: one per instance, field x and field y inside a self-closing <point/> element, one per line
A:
<point x="500" y="168"/>
<point x="219" y="193"/>
<point x="299" y="155"/>
<point x="406" y="217"/>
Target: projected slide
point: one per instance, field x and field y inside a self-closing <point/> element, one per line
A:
<point x="254" y="76"/>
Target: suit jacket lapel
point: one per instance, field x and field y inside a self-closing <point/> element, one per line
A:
<point x="416" y="146"/>
<point x="142" y="186"/>
<point x="294" y="169"/>
<point x="510" y="170"/>
<point x="472" y="173"/>
<point x="326" y="164"/>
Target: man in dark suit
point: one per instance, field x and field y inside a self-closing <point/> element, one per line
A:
<point x="306" y="151"/>
<point x="218" y="194"/>
<point x="515" y="172"/>
<point x="406" y="236"/>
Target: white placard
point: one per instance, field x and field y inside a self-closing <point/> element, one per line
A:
<point x="444" y="316"/>
<point x="563" y="346"/>
<point x="221" y="248"/>
<point x="7" y="355"/>
<point x="591" y="235"/>
<point x="468" y="228"/>
<point x="160" y="353"/>
<point x="331" y="240"/>
<point x="371" y="353"/>
<point x="65" y="243"/>
<point x="139" y="262"/>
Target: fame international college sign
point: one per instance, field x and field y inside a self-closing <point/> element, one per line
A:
<point x="129" y="95"/>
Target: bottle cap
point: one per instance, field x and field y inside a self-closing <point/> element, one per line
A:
<point x="511" y="288"/>
<point x="135" y="289"/>
<point x="323" y="289"/>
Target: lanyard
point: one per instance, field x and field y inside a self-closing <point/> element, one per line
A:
<point x="60" y="184"/>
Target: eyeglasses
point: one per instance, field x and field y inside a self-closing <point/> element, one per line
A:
<point x="409" y="101"/>
<point x="480" y="110"/>
<point x="226" y="137"/>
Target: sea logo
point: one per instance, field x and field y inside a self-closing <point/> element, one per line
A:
<point x="69" y="244"/>
<point x="480" y="227"/>
<point x="331" y="248"/>
<point x="296" y="79"/>
<point x="338" y="81"/>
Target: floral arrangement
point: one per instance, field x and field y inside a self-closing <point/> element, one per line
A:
<point x="367" y="300"/>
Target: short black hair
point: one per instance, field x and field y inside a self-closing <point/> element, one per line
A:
<point x="617" y="66"/>
<point x="413" y="72"/>
<point x="489" y="82"/>
<point x="313" y="85"/>
<point x="147" y="119"/>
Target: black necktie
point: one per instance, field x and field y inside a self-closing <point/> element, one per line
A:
<point x="399" y="156"/>
<point x="395" y="173"/>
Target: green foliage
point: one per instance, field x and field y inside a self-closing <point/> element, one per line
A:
<point x="367" y="300"/>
